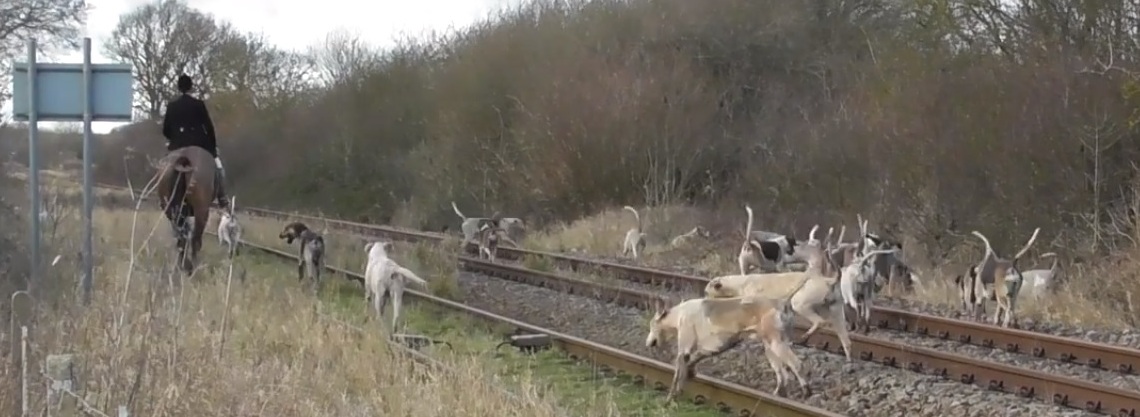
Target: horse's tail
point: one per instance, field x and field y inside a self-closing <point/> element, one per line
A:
<point x="183" y="172"/>
<point x="182" y="164"/>
<point x="185" y="169"/>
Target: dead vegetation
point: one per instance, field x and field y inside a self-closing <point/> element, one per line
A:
<point x="216" y="346"/>
<point x="929" y="118"/>
<point x="1098" y="293"/>
<point x="433" y="260"/>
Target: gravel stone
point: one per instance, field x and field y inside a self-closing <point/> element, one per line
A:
<point x="1075" y="370"/>
<point x="1126" y="338"/>
<point x="856" y="389"/>
<point x="1049" y="366"/>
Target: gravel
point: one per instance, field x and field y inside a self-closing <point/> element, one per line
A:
<point x="855" y="389"/>
<point x="1049" y="366"/>
<point x="1126" y="338"/>
<point x="1021" y="360"/>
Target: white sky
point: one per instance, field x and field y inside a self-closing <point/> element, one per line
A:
<point x="296" y="24"/>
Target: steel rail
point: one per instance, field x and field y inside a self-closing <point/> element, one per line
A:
<point x="1048" y="388"/>
<point x="1027" y="383"/>
<point x="1045" y="387"/>
<point x="1042" y="345"/>
<point x="702" y="389"/>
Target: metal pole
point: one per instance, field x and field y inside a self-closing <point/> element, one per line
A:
<point x="33" y="166"/>
<point x="88" y="198"/>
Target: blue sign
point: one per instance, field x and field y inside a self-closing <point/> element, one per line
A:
<point x="59" y="92"/>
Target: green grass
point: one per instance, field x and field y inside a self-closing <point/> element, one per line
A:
<point x="578" y="387"/>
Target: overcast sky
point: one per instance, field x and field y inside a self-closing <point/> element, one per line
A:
<point x="296" y="24"/>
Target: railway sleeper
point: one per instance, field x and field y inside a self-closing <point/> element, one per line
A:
<point x="1061" y="390"/>
<point x="987" y="375"/>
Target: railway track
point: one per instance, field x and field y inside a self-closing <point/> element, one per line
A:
<point x="1045" y="387"/>
<point x="724" y="396"/>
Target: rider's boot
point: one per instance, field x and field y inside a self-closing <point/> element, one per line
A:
<point x="220" y="190"/>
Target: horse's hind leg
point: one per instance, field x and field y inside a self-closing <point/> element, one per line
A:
<point x="187" y="249"/>
<point x="177" y="211"/>
<point x="196" y="238"/>
<point x="174" y="213"/>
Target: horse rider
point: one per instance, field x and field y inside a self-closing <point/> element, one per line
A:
<point x="187" y="123"/>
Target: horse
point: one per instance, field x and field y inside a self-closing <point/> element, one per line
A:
<point x="185" y="189"/>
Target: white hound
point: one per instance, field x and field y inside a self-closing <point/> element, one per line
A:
<point x="384" y="278"/>
<point x="634" y="242"/>
<point x="229" y="230"/>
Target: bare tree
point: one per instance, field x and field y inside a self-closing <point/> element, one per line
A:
<point x="166" y="39"/>
<point x="281" y="75"/>
<point x="258" y="75"/>
<point x="343" y="56"/>
<point x="54" y="24"/>
<point x="163" y="40"/>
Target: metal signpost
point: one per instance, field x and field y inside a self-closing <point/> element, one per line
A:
<point x="68" y="93"/>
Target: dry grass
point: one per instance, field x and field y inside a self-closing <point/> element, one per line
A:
<point x="432" y="261"/>
<point x="603" y="233"/>
<point x="577" y="387"/>
<point x="1082" y="302"/>
<point x="274" y="350"/>
<point x="1098" y="296"/>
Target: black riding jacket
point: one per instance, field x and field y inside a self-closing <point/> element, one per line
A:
<point x="187" y="123"/>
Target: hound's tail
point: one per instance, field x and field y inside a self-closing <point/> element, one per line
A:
<point x="457" y="212"/>
<point x="1027" y="245"/>
<point x="636" y="216"/>
<point x="409" y="275"/>
<point x="748" y="228"/>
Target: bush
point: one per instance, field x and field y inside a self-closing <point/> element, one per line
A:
<point x="436" y="263"/>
